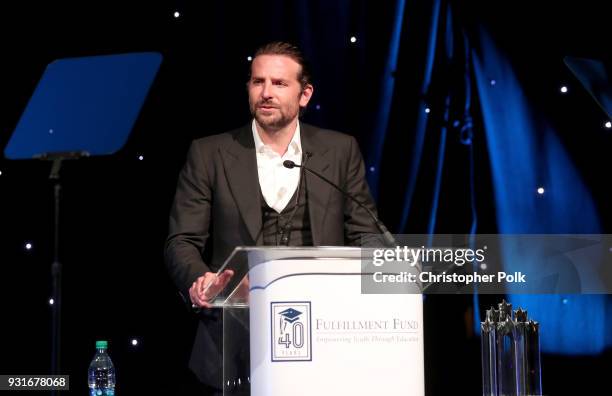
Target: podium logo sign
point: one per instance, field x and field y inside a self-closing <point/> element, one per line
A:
<point x="291" y="331"/>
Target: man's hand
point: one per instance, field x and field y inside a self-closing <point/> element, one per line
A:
<point x="206" y="287"/>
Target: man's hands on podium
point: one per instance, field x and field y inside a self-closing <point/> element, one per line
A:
<point x="206" y="287"/>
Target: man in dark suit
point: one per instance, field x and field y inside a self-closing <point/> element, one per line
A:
<point x="235" y="184"/>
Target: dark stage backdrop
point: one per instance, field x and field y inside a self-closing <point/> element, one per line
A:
<point x="439" y="94"/>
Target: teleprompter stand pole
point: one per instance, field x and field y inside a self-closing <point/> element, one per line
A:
<point x="56" y="265"/>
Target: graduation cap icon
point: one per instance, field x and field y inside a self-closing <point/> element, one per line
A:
<point x="290" y="314"/>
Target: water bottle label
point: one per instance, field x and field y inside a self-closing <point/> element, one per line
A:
<point x="101" y="392"/>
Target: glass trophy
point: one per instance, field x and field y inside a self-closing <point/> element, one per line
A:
<point x="510" y="353"/>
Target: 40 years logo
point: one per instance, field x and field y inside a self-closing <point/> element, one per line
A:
<point x="291" y="331"/>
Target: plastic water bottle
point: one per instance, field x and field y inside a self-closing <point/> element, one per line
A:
<point x="101" y="375"/>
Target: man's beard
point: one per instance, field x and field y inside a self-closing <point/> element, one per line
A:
<point x="274" y="122"/>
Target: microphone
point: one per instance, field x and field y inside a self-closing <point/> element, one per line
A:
<point x="389" y="240"/>
<point x="289" y="164"/>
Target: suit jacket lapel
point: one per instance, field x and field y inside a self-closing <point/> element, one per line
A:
<point x="319" y="191"/>
<point x="240" y="164"/>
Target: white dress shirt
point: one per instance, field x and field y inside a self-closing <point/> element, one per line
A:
<point x="278" y="184"/>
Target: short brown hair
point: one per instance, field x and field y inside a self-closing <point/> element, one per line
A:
<point x="291" y="51"/>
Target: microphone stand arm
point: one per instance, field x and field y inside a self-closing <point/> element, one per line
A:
<point x="388" y="238"/>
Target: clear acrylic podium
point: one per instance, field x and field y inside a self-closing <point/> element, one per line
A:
<point x="295" y="322"/>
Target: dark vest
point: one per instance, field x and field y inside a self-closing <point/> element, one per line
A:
<point x="287" y="228"/>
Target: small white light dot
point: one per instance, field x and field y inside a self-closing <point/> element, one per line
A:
<point x="564" y="301"/>
<point x="51" y="131"/>
<point x="177" y="14"/>
<point x="493" y="82"/>
<point x="51" y="301"/>
<point x="0" y="173"/>
<point x="353" y="39"/>
<point x="427" y="110"/>
<point x="249" y="58"/>
<point x="318" y="107"/>
<point x="134" y="342"/>
<point x="541" y="190"/>
<point x="564" y="89"/>
<point x="372" y="169"/>
<point x="483" y="266"/>
<point x="28" y="246"/>
<point x="140" y="157"/>
<point x="608" y="124"/>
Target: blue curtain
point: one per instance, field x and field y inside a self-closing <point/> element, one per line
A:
<point x="523" y="153"/>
